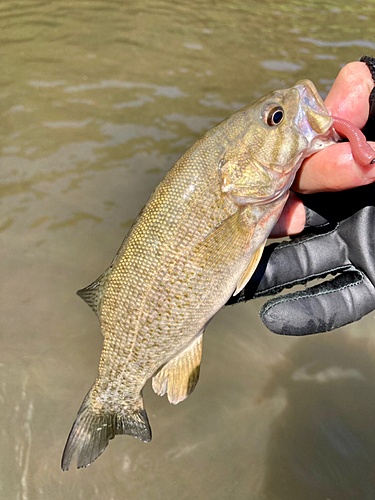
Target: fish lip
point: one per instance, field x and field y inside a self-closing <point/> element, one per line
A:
<point x="313" y="118"/>
<point x="310" y="96"/>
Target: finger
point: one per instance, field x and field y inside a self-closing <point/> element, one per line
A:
<point x="324" y="307"/>
<point x="332" y="169"/>
<point x="292" y="220"/>
<point x="295" y="262"/>
<point x="349" y="95"/>
<point x="300" y="260"/>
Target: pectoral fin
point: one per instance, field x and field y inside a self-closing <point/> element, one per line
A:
<point x="180" y="375"/>
<point x="250" y="269"/>
<point x="225" y="243"/>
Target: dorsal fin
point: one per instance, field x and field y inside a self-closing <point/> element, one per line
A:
<point x="180" y="375"/>
<point x="93" y="293"/>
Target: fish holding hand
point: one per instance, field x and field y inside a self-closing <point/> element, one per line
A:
<point x="197" y="241"/>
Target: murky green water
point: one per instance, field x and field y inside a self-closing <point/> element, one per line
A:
<point x="98" y="99"/>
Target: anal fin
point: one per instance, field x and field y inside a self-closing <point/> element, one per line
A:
<point x="180" y="375"/>
<point x="249" y="271"/>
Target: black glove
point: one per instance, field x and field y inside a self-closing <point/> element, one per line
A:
<point x="339" y="239"/>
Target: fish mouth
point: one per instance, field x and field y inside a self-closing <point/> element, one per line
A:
<point x="313" y="119"/>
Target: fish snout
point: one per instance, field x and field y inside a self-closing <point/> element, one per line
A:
<point x="313" y="118"/>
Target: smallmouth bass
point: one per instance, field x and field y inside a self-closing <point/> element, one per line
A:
<point x="197" y="241"/>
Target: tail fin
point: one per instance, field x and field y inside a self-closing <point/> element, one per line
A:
<point x="91" y="432"/>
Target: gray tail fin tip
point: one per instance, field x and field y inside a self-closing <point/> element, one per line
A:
<point x="90" y="433"/>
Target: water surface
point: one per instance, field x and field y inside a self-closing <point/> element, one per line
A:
<point x="98" y="100"/>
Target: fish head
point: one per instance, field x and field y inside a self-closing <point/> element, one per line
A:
<point x="270" y="139"/>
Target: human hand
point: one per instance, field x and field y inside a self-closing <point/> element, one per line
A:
<point x="339" y="238"/>
<point x="333" y="168"/>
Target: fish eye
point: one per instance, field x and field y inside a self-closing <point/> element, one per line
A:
<point x="274" y="116"/>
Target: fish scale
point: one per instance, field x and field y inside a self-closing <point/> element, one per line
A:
<point x="195" y="243"/>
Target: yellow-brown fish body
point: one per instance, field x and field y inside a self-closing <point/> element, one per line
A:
<point x="198" y="240"/>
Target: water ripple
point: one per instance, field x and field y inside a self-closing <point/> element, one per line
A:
<point x="159" y="90"/>
<point x="344" y="43"/>
<point x="281" y="66"/>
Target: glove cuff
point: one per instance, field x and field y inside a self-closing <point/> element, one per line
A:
<point x="369" y="128"/>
